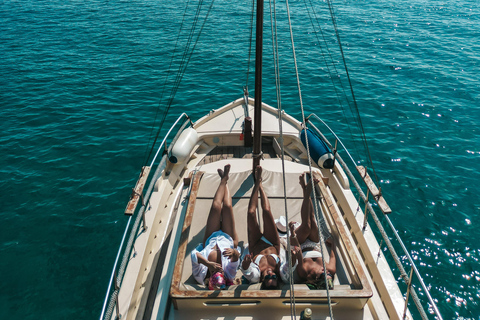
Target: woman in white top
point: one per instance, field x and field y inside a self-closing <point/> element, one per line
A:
<point x="217" y="257"/>
<point x="263" y="262"/>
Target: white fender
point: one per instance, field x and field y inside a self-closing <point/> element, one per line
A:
<point x="184" y="145"/>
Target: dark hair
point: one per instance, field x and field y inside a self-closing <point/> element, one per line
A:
<point x="271" y="287"/>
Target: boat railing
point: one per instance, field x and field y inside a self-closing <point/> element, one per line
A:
<point x="385" y="238"/>
<point x="125" y="249"/>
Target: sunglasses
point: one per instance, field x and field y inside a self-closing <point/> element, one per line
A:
<point x="273" y="276"/>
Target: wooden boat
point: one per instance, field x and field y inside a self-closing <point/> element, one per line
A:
<point x="152" y="277"/>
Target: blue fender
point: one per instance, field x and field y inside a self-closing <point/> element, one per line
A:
<point x="319" y="151"/>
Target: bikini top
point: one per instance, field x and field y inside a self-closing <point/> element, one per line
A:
<point x="273" y="255"/>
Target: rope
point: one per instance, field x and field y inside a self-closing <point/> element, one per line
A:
<point x="169" y="70"/>
<point x="273" y="24"/>
<point x="309" y="159"/>
<point x="385" y="238"/>
<point x="112" y="278"/>
<point x="185" y="59"/>
<point x="334" y="75"/>
<point x="250" y="44"/>
<point x="364" y="138"/>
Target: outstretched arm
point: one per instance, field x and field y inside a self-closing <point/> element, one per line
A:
<point x="254" y="233"/>
<point x="233" y="254"/>
<point x="251" y="272"/>
<point x="297" y="252"/>
<point x="212" y="266"/>
<point x="332" y="263"/>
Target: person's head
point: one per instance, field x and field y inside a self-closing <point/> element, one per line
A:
<point x="217" y="281"/>
<point x="318" y="281"/>
<point x="269" y="279"/>
<point x="313" y="277"/>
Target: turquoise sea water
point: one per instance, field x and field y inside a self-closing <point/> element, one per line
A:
<point x="79" y="88"/>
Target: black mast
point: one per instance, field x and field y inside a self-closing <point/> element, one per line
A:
<point x="257" y="130"/>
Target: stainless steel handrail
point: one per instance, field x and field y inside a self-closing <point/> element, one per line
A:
<point x="166" y="136"/>
<point x="147" y="196"/>
<point x="419" y="277"/>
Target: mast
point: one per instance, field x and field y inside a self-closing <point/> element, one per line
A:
<point x="257" y="130"/>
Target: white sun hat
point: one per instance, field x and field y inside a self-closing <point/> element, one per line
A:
<point x="281" y="224"/>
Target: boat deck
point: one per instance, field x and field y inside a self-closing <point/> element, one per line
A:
<point x="351" y="289"/>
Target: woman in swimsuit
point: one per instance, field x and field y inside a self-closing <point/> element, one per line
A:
<point x="306" y="236"/>
<point x="263" y="263"/>
<point x="217" y="257"/>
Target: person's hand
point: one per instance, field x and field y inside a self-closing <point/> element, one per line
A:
<point x="331" y="242"/>
<point x="291" y="225"/>
<point x="232" y="254"/>
<point x="296" y="251"/>
<point x="214" y="267"/>
<point x="246" y="261"/>
<point x="296" y="254"/>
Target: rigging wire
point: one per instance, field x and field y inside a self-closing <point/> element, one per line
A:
<point x="250" y="44"/>
<point x="185" y="59"/>
<point x="330" y="7"/>
<point x="273" y="24"/>
<point x="317" y="214"/>
<point x="169" y="70"/>
<point x="336" y="72"/>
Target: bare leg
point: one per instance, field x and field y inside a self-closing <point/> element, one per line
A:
<point x="228" y="220"/>
<point x="254" y="233"/>
<point x="215" y="215"/>
<point x="269" y="228"/>
<point x="306" y="212"/>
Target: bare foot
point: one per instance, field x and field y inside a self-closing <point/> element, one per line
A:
<point x="307" y="188"/>
<point x="224" y="173"/>
<point x="302" y="181"/>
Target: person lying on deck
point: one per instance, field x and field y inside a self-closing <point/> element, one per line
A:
<point x="310" y="269"/>
<point x="262" y="264"/>
<point x="217" y="257"/>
